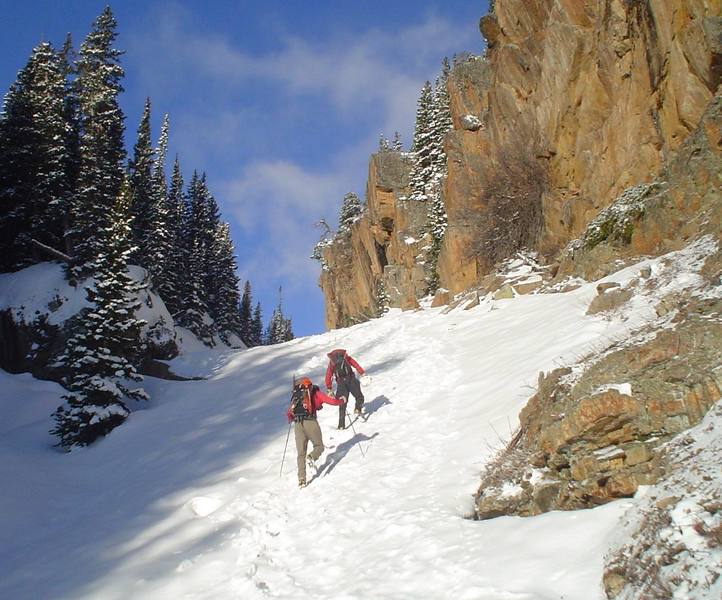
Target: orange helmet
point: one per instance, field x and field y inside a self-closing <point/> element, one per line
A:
<point x="304" y="382"/>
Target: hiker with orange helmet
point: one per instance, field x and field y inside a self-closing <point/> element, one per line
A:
<point x="340" y="366"/>
<point x="306" y="400"/>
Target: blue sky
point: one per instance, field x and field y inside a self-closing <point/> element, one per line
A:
<point x="280" y="103"/>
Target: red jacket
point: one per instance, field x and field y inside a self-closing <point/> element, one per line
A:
<point x="318" y="398"/>
<point x="348" y="359"/>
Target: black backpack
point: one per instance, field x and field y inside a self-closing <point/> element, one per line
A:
<point x="301" y="401"/>
<point x="341" y="368"/>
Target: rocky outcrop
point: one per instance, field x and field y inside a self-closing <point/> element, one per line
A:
<point x="380" y="251"/>
<point x="573" y="103"/>
<point x="670" y="543"/>
<point x="598" y="94"/>
<point x="586" y="439"/>
<point x="38" y="320"/>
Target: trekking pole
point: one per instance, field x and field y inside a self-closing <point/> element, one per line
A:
<point x="280" y="473"/>
<point x="293" y="385"/>
<point x="355" y="434"/>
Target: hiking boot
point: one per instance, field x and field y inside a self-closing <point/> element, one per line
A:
<point x="357" y="411"/>
<point x="301" y="483"/>
<point x="340" y="427"/>
<point x="311" y="462"/>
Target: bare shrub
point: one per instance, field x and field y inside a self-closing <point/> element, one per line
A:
<point x="639" y="564"/>
<point x="509" y="215"/>
<point x="507" y="465"/>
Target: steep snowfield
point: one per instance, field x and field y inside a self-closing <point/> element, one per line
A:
<point x="185" y="499"/>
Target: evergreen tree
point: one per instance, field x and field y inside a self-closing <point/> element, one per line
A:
<point x="279" y="328"/>
<point x="17" y="148"/>
<point x="382" y="298"/>
<point x="384" y="145"/>
<point x="68" y="65"/>
<point x="194" y="313"/>
<point x="350" y="210"/>
<point x="326" y="239"/>
<point x="103" y="352"/>
<point x="436" y="214"/>
<point x="34" y="188"/>
<point x="142" y="189"/>
<point x="246" y="315"/>
<point x="441" y="122"/>
<point x="286" y="330"/>
<point x="159" y="239"/>
<point x="224" y="285"/>
<point x="396" y="145"/>
<point x="422" y="146"/>
<point x="174" y="288"/>
<point x="257" y="326"/>
<point x="101" y="144"/>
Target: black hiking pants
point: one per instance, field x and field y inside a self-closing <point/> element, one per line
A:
<point x="343" y="388"/>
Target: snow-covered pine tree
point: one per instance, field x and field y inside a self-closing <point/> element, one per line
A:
<point x="382" y="298"/>
<point x="422" y="145"/>
<point x="384" y="145"/>
<point x="69" y="69"/>
<point x="245" y="315"/>
<point x="207" y="216"/>
<point x="326" y="238"/>
<point x="270" y="336"/>
<point x="286" y="331"/>
<point x="436" y="215"/>
<point x="441" y="122"/>
<point x="34" y="187"/>
<point x="224" y="286"/>
<point x="178" y="253"/>
<point x="257" y="326"/>
<point x="351" y="208"/>
<point x="51" y="192"/>
<point x="102" y="153"/>
<point x="17" y="147"/>
<point x="436" y="226"/>
<point x="158" y="240"/>
<point x="396" y="145"/>
<point x="140" y="169"/>
<point x="194" y="313"/>
<point x="104" y="350"/>
<point x="280" y="328"/>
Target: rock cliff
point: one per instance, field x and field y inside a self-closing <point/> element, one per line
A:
<point x="573" y="102"/>
<point x="381" y="249"/>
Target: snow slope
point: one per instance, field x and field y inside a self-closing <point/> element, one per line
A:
<point x="185" y="499"/>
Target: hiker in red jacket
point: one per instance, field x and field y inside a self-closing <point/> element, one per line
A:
<point x="340" y="366"/>
<point x="306" y="400"/>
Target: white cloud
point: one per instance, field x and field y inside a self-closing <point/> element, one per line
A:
<point x="234" y="103"/>
<point x="278" y="202"/>
<point x="279" y="187"/>
<point x="351" y="69"/>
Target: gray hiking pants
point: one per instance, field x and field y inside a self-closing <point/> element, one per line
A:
<point x="343" y="388"/>
<point x="305" y="431"/>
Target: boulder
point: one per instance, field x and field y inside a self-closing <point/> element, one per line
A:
<point x="609" y="301"/>
<point x="505" y="292"/>
<point x="471" y="122"/>
<point x="441" y="298"/>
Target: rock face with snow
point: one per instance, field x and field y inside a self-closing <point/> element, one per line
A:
<point x="39" y="310"/>
<point x="382" y="246"/>
<point x="670" y="543"/>
<point x="579" y="101"/>
<point x="597" y="94"/>
<point x="592" y="431"/>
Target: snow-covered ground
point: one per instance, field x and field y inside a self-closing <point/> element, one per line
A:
<point x="185" y="499"/>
